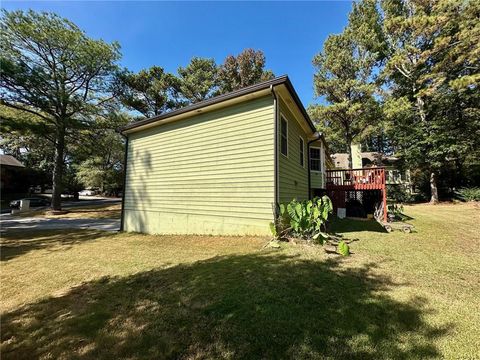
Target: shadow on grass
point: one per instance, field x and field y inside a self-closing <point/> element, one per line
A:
<point x="351" y="225"/>
<point x="96" y="213"/>
<point x="16" y="243"/>
<point x="100" y="212"/>
<point x="241" y="307"/>
<point x="404" y="217"/>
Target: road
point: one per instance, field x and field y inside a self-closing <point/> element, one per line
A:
<point x="9" y="222"/>
<point x="14" y="223"/>
<point x="84" y="201"/>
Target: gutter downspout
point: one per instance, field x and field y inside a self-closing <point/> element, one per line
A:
<point x="319" y="136"/>
<point x="125" y="159"/>
<point x="275" y="152"/>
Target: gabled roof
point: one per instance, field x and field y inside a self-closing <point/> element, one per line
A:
<point x="281" y="80"/>
<point x="376" y="156"/>
<point x="9" y="160"/>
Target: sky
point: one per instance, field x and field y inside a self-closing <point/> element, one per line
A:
<point x="169" y="34"/>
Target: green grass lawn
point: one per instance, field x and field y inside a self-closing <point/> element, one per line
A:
<point x="90" y="295"/>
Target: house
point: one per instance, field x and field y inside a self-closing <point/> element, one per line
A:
<point x="11" y="170"/>
<point x="394" y="174"/>
<point x="220" y="166"/>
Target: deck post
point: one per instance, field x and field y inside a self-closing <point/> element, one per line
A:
<point x="384" y="194"/>
<point x="338" y="181"/>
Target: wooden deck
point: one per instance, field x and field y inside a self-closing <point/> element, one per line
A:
<point x="356" y="179"/>
<point x="338" y="182"/>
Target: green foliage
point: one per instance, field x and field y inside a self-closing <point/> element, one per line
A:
<point x="432" y="71"/>
<point x="198" y="80"/>
<point x="151" y="91"/>
<point x="399" y="194"/>
<point x="53" y="71"/>
<point x="97" y="159"/>
<point x="94" y="156"/>
<point x="50" y="67"/>
<point x="345" y="77"/>
<point x="468" y="194"/>
<point x="306" y="219"/>
<point x="20" y="140"/>
<point x="396" y="211"/>
<point x="403" y="77"/>
<point x="273" y="230"/>
<point x="242" y="70"/>
<point x="343" y="248"/>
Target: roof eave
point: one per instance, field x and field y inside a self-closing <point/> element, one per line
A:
<point x="225" y="97"/>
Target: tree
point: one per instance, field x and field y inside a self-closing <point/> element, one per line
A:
<point x="248" y="68"/>
<point x="198" y="80"/>
<point x="432" y="70"/>
<point x="151" y="91"/>
<point x="35" y="152"/>
<point x="99" y="155"/>
<point x="345" y="77"/>
<point x="52" y="70"/>
<point x="334" y="134"/>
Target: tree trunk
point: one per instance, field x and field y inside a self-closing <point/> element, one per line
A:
<point x="350" y="157"/>
<point x="58" y="169"/>
<point x="433" y="176"/>
<point x="433" y="188"/>
<point x="421" y="108"/>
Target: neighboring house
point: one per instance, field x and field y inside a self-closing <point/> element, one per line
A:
<point x="10" y="170"/>
<point x="220" y="166"/>
<point x="393" y="174"/>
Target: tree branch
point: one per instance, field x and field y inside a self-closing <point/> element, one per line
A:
<point x="13" y="106"/>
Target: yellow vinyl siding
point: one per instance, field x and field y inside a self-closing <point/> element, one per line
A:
<point x="292" y="177"/>
<point x="212" y="173"/>
<point x="316" y="180"/>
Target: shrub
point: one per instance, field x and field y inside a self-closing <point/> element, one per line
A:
<point x="399" y="194"/>
<point x="343" y="248"/>
<point x="396" y="211"/>
<point x="468" y="194"/>
<point x="273" y="229"/>
<point x="304" y="219"/>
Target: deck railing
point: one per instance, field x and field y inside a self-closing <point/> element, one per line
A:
<point x="356" y="179"/>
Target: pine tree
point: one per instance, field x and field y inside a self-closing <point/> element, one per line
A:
<point x="198" y="80"/>
<point x="432" y="71"/>
<point x="52" y="70"/>
<point x="346" y="77"/>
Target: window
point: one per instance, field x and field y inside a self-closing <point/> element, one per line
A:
<point x="301" y="152"/>
<point x="284" y="136"/>
<point x="315" y="161"/>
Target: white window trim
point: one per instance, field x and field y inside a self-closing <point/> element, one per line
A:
<point x="309" y="164"/>
<point x="303" y="151"/>
<point x="286" y="122"/>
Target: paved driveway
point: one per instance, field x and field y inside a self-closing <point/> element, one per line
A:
<point x="84" y="201"/>
<point x="9" y="222"/>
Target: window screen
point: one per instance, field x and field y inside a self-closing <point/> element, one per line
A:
<point x="301" y="152"/>
<point x="315" y="162"/>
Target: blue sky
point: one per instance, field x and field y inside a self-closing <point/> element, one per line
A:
<point x="169" y="34"/>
